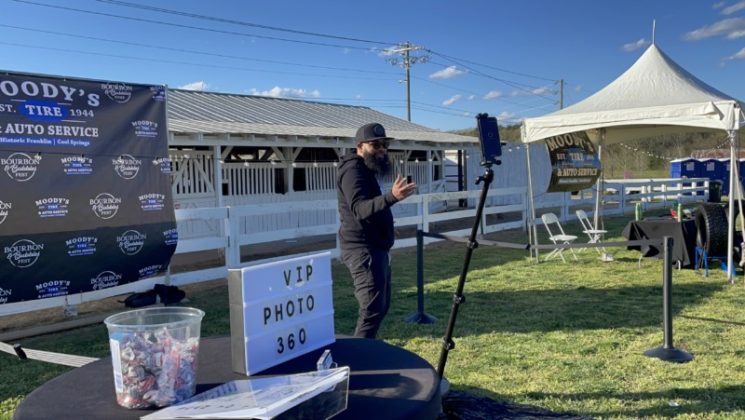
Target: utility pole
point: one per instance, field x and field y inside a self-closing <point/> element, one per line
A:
<point x="561" y="94"/>
<point x="407" y="61"/>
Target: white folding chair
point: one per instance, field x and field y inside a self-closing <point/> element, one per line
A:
<point x="594" y="235"/>
<point x="557" y="238"/>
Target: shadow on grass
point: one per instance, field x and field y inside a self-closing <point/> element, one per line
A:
<point x="560" y="309"/>
<point x="468" y="403"/>
<point x="674" y="401"/>
<point x="714" y="320"/>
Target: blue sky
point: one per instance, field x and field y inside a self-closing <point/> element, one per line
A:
<point x="503" y="58"/>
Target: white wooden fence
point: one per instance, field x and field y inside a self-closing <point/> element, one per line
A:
<point x="232" y="228"/>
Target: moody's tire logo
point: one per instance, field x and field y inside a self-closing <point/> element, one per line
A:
<point x="52" y="288"/>
<point x="131" y="242"/>
<point x="164" y="163"/>
<point x="126" y="166"/>
<point x="52" y="207"/>
<point x="145" y="128"/>
<point x="105" y="279"/>
<point x="117" y="92"/>
<point x="105" y="205"/>
<point x="81" y="246"/>
<point x="77" y="165"/>
<point x="5" y="295"/>
<point x="170" y="236"/>
<point x="20" y="166"/>
<point x="158" y="92"/>
<point x="23" y="253"/>
<point x="4" y="210"/>
<point x="152" y="202"/>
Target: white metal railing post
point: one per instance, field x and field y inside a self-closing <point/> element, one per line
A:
<point x="564" y="207"/>
<point x="483" y="220"/>
<point x="420" y="212"/>
<point x="524" y="212"/>
<point x="233" y="253"/>
<point x="337" y="222"/>
<point x="680" y="190"/>
<point x="425" y="212"/>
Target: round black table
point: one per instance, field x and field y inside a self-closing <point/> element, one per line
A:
<point x="386" y="382"/>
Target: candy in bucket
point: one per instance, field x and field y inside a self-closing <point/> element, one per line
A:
<point x="154" y="355"/>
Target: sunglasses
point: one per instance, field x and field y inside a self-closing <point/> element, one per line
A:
<point x="378" y="144"/>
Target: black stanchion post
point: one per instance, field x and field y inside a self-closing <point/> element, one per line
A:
<point x="420" y="317"/>
<point x="458" y="298"/>
<point x="667" y="351"/>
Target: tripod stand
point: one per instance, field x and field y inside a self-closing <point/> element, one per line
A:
<point x="458" y="298"/>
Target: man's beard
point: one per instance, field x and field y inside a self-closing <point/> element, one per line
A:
<point x="379" y="165"/>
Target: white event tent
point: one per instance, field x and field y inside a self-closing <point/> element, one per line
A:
<point x="654" y="96"/>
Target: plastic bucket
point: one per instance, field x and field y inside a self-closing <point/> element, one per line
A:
<point x="154" y="355"/>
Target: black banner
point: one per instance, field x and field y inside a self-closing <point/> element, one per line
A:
<point x="574" y="162"/>
<point x="85" y="193"/>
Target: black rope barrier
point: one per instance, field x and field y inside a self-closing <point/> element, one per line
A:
<point x="666" y="352"/>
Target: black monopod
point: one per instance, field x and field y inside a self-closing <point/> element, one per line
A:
<point x="491" y="149"/>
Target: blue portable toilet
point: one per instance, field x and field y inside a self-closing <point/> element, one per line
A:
<point x="675" y="167"/>
<point x="711" y="169"/>
<point x="685" y="168"/>
<point x="723" y="169"/>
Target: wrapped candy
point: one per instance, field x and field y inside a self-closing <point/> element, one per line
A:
<point x="156" y="368"/>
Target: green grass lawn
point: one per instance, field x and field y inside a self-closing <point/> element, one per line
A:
<point x="566" y="337"/>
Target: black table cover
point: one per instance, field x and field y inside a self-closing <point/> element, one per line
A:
<point x="386" y="382"/>
<point x="683" y="234"/>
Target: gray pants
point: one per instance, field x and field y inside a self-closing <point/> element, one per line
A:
<point x="371" y="272"/>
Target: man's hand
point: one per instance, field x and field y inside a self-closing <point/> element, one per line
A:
<point x="401" y="189"/>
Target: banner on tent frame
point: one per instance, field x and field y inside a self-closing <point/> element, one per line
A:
<point x="574" y="162"/>
<point x="85" y="193"/>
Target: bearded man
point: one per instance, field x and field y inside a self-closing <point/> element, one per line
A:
<point x="366" y="231"/>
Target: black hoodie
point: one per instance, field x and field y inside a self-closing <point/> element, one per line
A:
<point x="364" y="212"/>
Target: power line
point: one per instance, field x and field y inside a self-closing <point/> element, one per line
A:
<point x="481" y="95"/>
<point x="516" y="85"/>
<point x="403" y="49"/>
<point x="176" y="25"/>
<point x="236" y="22"/>
<point x="408" y="60"/>
<point x="454" y="59"/>
<point x="519" y="86"/>
<point x="150" y="60"/>
<point x="479" y="73"/>
<point x="137" y="44"/>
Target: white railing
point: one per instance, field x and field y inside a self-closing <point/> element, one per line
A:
<point x="231" y="232"/>
<point x="623" y="194"/>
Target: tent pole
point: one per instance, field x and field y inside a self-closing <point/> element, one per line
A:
<point x="532" y="231"/>
<point x="732" y="194"/>
<point x="599" y="183"/>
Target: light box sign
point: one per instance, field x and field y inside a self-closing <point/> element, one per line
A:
<point x="574" y="162"/>
<point x="85" y="202"/>
<point x="279" y="311"/>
